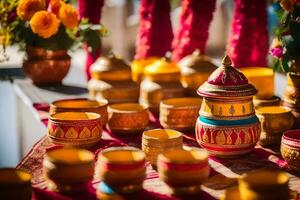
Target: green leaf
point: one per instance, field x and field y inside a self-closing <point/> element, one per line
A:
<point x="285" y="65"/>
<point x="276" y="65"/>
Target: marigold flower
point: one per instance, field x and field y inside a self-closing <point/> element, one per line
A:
<point x="54" y="6"/>
<point x="68" y="16"/>
<point x="44" y="24"/>
<point x="287" y="4"/>
<point x="27" y="8"/>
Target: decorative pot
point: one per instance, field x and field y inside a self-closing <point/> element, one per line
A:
<point x="290" y="149"/>
<point x="138" y="67"/>
<point x="195" y="70"/>
<point x="162" y="81"/>
<point x="46" y="67"/>
<point x="292" y="96"/>
<point x="111" y="80"/>
<point x="274" y="121"/>
<point x="69" y="170"/>
<point x="227" y="125"/>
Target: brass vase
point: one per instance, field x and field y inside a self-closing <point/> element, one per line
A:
<point x="46" y="67"/>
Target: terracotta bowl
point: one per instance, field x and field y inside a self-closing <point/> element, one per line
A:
<point x="128" y="117"/>
<point x="274" y="121"/>
<point x="15" y="184"/>
<point x="122" y="168"/>
<point x="264" y="184"/>
<point x="274" y="101"/>
<point x="156" y="141"/>
<point x="75" y="129"/>
<point x="183" y="170"/>
<point x="290" y="149"/>
<point x="179" y="113"/>
<point x="81" y="105"/>
<point x="68" y="170"/>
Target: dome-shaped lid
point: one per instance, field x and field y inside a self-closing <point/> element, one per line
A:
<point x="110" y="63"/>
<point x="227" y="81"/>
<point x="196" y="62"/>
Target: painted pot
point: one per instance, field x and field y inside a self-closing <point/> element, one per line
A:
<point x="227" y="125"/>
<point x="128" y="117"/>
<point x="15" y="184"/>
<point x="122" y="168"/>
<point x="183" y="170"/>
<point x="274" y="121"/>
<point x="75" y="129"/>
<point x="290" y="149"/>
<point x="111" y="80"/>
<point x="179" y="113"/>
<point x="69" y="170"/>
<point x="157" y="141"/>
<point x="81" y="105"/>
<point x="264" y="184"/>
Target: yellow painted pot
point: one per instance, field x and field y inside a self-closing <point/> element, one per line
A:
<point x="183" y="170"/>
<point x="15" y="184"/>
<point x="76" y="129"/>
<point x="156" y="141"/>
<point x="138" y="67"/>
<point x="263" y="80"/>
<point x="179" y="113"/>
<point x="81" y="105"/>
<point x="290" y="148"/>
<point x="274" y="121"/>
<point x="128" y="117"/>
<point x="264" y="185"/>
<point x="122" y="168"/>
<point x="68" y="170"/>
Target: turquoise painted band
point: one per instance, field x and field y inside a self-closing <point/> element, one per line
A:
<point x="104" y="188"/>
<point x="216" y="122"/>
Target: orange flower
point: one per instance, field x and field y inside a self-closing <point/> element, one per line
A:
<point x="68" y="16"/>
<point x="44" y="24"/>
<point x="287" y="4"/>
<point x="54" y="6"/>
<point x="27" y="8"/>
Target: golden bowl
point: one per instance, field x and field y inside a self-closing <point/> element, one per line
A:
<point x="232" y="193"/>
<point x="264" y="184"/>
<point x="274" y="101"/>
<point x="128" y="117"/>
<point x="138" y="66"/>
<point x="179" y="113"/>
<point x="75" y="129"/>
<point x="81" y="105"/>
<point x="122" y="168"/>
<point x="183" y="170"/>
<point x="156" y="141"/>
<point x="15" y="184"/>
<point x="274" y="121"/>
<point x="290" y="149"/>
<point x="66" y="169"/>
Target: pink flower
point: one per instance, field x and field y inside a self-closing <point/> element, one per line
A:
<point x="277" y="52"/>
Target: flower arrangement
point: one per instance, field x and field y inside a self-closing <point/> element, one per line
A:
<point x="286" y="45"/>
<point x="48" y="24"/>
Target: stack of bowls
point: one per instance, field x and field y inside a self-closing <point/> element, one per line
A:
<point x="128" y="117"/>
<point x="75" y="129"/>
<point x="69" y="170"/>
<point x="179" y="113"/>
<point x="264" y="184"/>
<point x="157" y="141"/>
<point x="15" y="184"/>
<point x="274" y="121"/>
<point x="122" y="168"/>
<point x="81" y="105"/>
<point x="290" y="149"/>
<point x="183" y="170"/>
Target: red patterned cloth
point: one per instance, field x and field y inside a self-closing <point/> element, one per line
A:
<point x="223" y="171"/>
<point x="194" y="22"/>
<point x="155" y="30"/>
<point x="249" y="42"/>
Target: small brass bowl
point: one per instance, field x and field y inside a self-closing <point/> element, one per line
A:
<point x="156" y="141"/>
<point x="183" y="170"/>
<point x="75" y="129"/>
<point x="274" y="121"/>
<point x="68" y="170"/>
<point x="15" y="184"/>
<point x="274" y="101"/>
<point x="290" y="149"/>
<point x="122" y="168"/>
<point x="264" y="184"/>
<point x="81" y="105"/>
<point x="179" y="113"/>
<point x="128" y="117"/>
